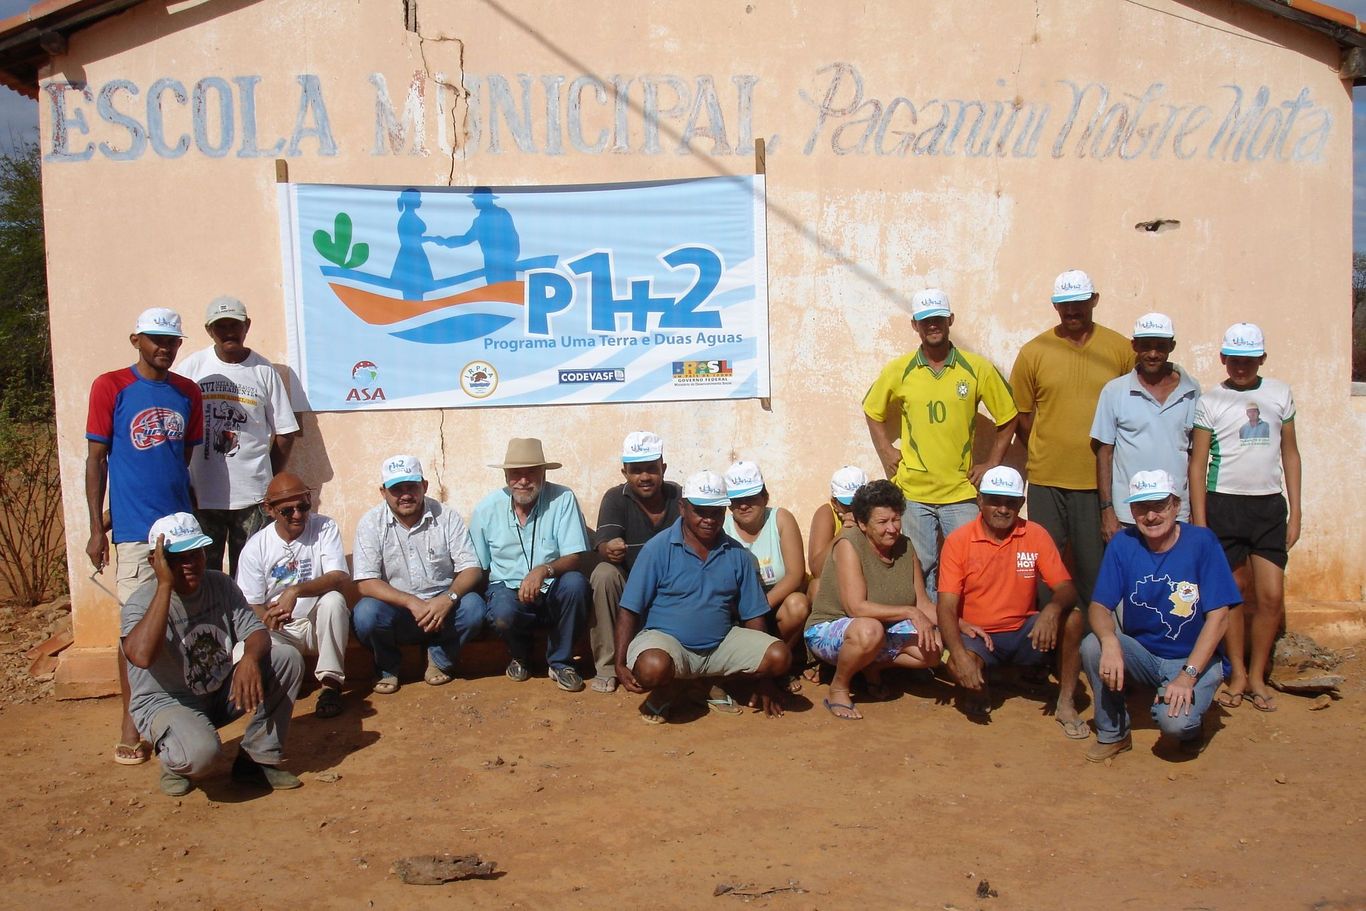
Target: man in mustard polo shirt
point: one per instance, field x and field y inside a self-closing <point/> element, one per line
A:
<point x="1057" y="379"/>
<point x="937" y="389"/>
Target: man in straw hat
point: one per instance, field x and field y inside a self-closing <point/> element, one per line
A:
<point x="530" y="539"/>
<point x="418" y="577"/>
<point x="293" y="574"/>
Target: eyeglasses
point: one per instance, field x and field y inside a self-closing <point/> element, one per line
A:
<point x="289" y="511"/>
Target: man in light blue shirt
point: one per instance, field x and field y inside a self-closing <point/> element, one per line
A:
<point x="1143" y="421"/>
<point x="530" y="538"/>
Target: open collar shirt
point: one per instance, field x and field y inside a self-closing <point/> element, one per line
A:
<point x="422" y="560"/>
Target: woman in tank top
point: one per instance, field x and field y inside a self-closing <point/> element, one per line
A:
<point x="871" y="611"/>
<point x="771" y="535"/>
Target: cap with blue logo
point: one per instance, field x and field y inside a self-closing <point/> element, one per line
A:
<point x="744" y="479"/>
<point x="1154" y="325"/>
<point x="1002" y="481"/>
<point x="641" y="446"/>
<point x="928" y="303"/>
<point x="846" y="482"/>
<point x="1150" y="485"/>
<point x="1072" y="285"/>
<point x="158" y="321"/>
<point x="399" y="469"/>
<point x="706" y="488"/>
<point x="182" y="533"/>
<point x="1243" y="340"/>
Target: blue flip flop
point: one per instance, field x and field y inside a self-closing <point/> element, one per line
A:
<point x="831" y="706"/>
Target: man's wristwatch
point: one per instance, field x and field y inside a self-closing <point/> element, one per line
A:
<point x="1108" y="504"/>
<point x="549" y="571"/>
<point x="1192" y="670"/>
<point x="453" y="595"/>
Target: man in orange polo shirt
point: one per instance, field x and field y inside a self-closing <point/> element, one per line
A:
<point x="988" y="579"/>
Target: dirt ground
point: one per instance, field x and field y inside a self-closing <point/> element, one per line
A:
<point x="583" y="806"/>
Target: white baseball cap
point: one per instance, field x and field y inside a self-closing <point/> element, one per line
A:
<point x="225" y="307"/>
<point x="1002" y="481"/>
<point x="1244" y="340"/>
<point x="1072" y="285"/>
<point x="400" y="468"/>
<point x="706" y="488"/>
<point x="743" y="479"/>
<point x="1150" y="485"/>
<point x="846" y="482"/>
<point x="1154" y="325"/>
<point x="158" y="321"/>
<point x="928" y="303"/>
<point x="182" y="533"/>
<point x="641" y="446"/>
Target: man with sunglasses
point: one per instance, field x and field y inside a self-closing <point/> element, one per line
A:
<point x="293" y="573"/>
<point x="418" y="575"/>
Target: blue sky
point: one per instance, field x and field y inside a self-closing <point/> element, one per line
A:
<point x="19" y="120"/>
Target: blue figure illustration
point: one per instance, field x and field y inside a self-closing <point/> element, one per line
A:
<point x="412" y="275"/>
<point x="494" y="232"/>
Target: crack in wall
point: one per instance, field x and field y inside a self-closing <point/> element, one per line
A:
<point x="461" y="99"/>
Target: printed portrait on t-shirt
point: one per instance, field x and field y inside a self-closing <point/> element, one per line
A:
<point x="1255" y="431"/>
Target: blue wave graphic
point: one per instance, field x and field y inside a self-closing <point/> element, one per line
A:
<point x="455" y="329"/>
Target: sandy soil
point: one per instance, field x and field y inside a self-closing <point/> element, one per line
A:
<point x="583" y="806"/>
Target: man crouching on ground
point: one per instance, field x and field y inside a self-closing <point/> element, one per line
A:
<point x="198" y="658"/>
<point x="676" y="617"/>
<point x="1176" y="588"/>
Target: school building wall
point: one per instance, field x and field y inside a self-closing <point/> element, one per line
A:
<point x="978" y="147"/>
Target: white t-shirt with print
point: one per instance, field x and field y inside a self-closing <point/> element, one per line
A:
<point x="244" y="406"/>
<point x="1245" y="446"/>
<point x="268" y="564"/>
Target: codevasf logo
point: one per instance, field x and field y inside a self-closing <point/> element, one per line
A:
<point x="366" y="388"/>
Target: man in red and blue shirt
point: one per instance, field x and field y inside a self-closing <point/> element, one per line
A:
<point x="142" y="427"/>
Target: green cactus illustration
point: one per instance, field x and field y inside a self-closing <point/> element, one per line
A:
<point x="335" y="249"/>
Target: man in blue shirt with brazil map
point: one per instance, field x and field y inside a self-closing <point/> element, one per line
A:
<point x="1176" y="589"/>
<point x="677" y="618"/>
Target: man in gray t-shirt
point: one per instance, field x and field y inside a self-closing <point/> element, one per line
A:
<point x="199" y="658"/>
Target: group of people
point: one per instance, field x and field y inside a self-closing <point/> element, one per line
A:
<point x="706" y="591"/>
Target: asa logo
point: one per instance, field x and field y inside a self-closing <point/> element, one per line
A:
<point x="366" y="388"/>
<point x="154" y="426"/>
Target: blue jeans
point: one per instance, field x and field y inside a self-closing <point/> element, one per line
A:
<point x="382" y="628"/>
<point x="924" y="524"/>
<point x="1143" y="667"/>
<point x="563" y="608"/>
